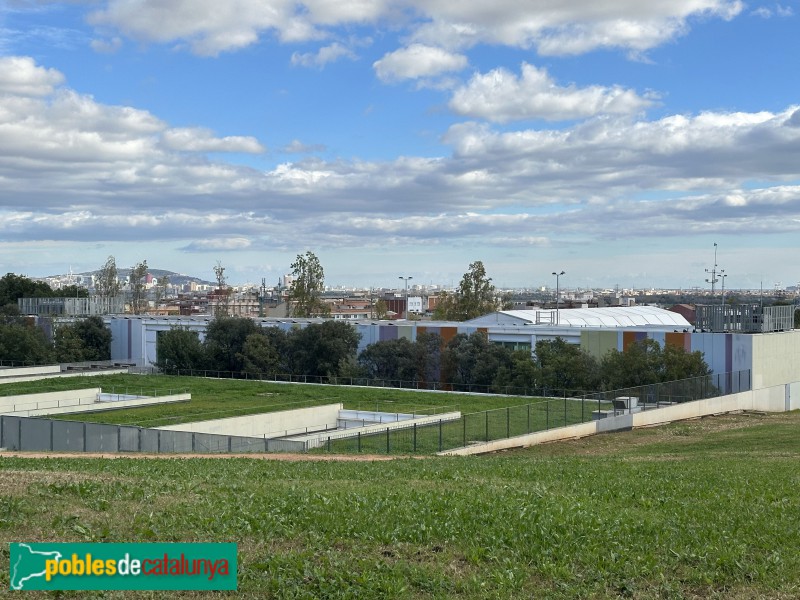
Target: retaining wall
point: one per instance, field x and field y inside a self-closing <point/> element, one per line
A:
<point x="274" y="424"/>
<point x="779" y="398"/>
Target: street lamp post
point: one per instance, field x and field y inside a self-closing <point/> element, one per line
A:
<point x="558" y="296"/>
<point x="406" y="280"/>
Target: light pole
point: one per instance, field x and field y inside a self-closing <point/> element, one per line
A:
<point x="558" y="296"/>
<point x="406" y="280"/>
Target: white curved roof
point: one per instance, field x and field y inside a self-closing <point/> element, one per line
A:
<point x="611" y="317"/>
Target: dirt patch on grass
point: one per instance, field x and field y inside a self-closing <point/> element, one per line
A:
<point x="16" y="482"/>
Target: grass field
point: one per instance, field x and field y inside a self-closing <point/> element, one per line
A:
<point x="701" y="509"/>
<point x="219" y="398"/>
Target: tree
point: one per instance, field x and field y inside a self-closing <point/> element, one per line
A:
<point x="96" y="338"/>
<point x="264" y="352"/>
<point x="13" y="287"/>
<point x="565" y="367"/>
<point x="224" y="343"/>
<point x="321" y="348"/>
<point x="522" y="377"/>
<point x="428" y="356"/>
<point x="474" y="297"/>
<point x="88" y="339"/>
<point x="179" y="350"/>
<point x="473" y="360"/>
<point x="645" y="362"/>
<point x="222" y="293"/>
<point x="381" y="309"/>
<point x="308" y="284"/>
<point x="24" y="344"/>
<point x="161" y="288"/>
<point x="106" y="282"/>
<point x="390" y="359"/>
<point x="71" y="291"/>
<point x="68" y="345"/>
<point x="137" y="275"/>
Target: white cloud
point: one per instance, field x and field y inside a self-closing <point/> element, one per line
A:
<point x="501" y="96"/>
<point x="226" y="244"/>
<point x="20" y="75"/>
<point x="323" y="56"/>
<point x="107" y="46"/>
<point x="298" y="147"/>
<point x="418" y="61"/>
<point x="72" y="168"/>
<point x="202" y="140"/>
<point x="565" y="27"/>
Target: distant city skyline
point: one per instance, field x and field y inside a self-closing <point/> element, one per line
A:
<point x="615" y="140"/>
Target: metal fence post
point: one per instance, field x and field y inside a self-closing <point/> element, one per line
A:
<point x="387" y="440"/>
<point x="529" y="418"/>
<point x="565" y="410"/>
<point x="440" y="435"/>
<point x="464" y="422"/>
<point x="547" y="414"/>
<point x="415" y="437"/>
<point x="487" y="425"/>
<point x="508" y="421"/>
<point x="359" y="441"/>
<point x="84" y="434"/>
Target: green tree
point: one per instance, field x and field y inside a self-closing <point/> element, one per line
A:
<point x="179" y="350"/>
<point x="394" y="360"/>
<point x="87" y="339"/>
<point x="71" y="291"/>
<point x="320" y="349"/>
<point x="522" y="376"/>
<point x="106" y="282"/>
<point x="96" y="338"/>
<point x="24" y="345"/>
<point x="13" y="287"/>
<point x="264" y="352"/>
<point x="68" y="345"/>
<point x="137" y="285"/>
<point x="307" y="286"/>
<point x="566" y="367"/>
<point x="224" y="343"/>
<point x="474" y="297"/>
<point x="161" y="288"/>
<point x="646" y="362"/>
<point x="381" y="309"/>
<point x="473" y="360"/>
<point x="428" y="357"/>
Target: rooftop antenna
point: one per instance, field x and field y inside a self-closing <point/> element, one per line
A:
<point x="714" y="272"/>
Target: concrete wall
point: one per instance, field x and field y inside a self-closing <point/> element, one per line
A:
<point x="9" y="404"/>
<point x="272" y="424"/>
<point x="92" y="405"/>
<point x="776" y="358"/>
<point x="318" y="440"/>
<point x="26" y="371"/>
<point x="778" y="398"/>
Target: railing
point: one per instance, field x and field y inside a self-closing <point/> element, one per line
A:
<point x="503" y="423"/>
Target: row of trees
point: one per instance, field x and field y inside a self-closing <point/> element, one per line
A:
<point x="23" y="343"/>
<point x="13" y="287"/>
<point x="238" y="347"/>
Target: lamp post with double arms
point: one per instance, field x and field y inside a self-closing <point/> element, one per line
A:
<point x="558" y="296"/>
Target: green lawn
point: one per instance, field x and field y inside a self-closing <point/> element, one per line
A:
<point x="219" y="398"/>
<point x="703" y="509"/>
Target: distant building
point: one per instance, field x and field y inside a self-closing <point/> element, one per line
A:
<point x="71" y="307"/>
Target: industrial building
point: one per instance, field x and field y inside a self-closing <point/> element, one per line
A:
<point x="773" y="356"/>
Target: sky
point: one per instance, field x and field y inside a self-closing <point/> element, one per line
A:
<point x="624" y="142"/>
